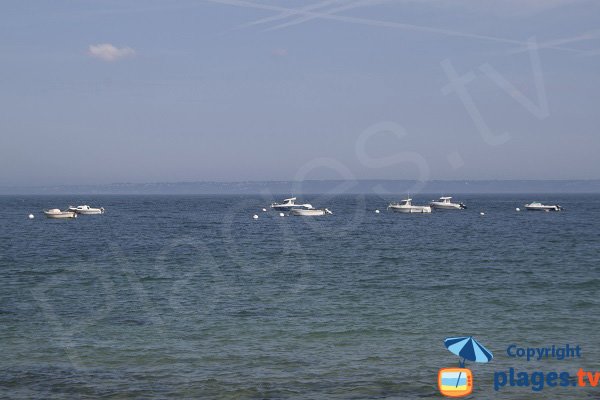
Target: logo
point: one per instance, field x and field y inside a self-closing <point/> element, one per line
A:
<point x="455" y="382"/>
<point x="458" y="382"/>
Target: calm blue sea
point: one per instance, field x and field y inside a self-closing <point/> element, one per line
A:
<point x="189" y="297"/>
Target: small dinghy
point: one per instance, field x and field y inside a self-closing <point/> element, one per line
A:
<point x="313" y="212"/>
<point x="55" y="213"/>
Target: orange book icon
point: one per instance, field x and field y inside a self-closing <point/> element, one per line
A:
<point x="455" y="382"/>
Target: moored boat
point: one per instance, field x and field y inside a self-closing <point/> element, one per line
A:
<point x="313" y="212"/>
<point x="86" y="210"/>
<point x="538" y="206"/>
<point x="290" y="204"/>
<point x="55" y="213"/>
<point x="445" y="203"/>
<point x="406" y="206"/>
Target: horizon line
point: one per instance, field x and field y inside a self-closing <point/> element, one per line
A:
<point x="304" y="180"/>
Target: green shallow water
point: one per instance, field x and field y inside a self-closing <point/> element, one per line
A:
<point x="189" y="297"/>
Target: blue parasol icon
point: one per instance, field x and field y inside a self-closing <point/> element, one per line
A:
<point x="469" y="349"/>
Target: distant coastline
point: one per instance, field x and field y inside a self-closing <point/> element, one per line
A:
<point x="318" y="186"/>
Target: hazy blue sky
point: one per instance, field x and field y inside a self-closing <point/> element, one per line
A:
<point x="146" y="91"/>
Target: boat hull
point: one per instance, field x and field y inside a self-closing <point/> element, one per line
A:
<point x="446" y="206"/>
<point x="62" y="215"/>
<point x="542" y="208"/>
<point x="281" y="207"/>
<point x="307" y="213"/>
<point x="90" y="212"/>
<point x="410" y="209"/>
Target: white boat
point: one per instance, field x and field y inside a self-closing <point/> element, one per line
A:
<point x="444" y="203"/>
<point x="86" y="210"/>
<point x="58" y="214"/>
<point x="406" y="206"/>
<point x="312" y="212"/>
<point x="290" y="204"/>
<point x="537" y="206"/>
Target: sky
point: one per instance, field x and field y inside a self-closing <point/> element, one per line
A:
<point x="98" y="92"/>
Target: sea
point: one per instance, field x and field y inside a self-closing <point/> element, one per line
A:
<point x="190" y="297"/>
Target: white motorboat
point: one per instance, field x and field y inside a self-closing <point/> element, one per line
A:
<point x="58" y="214"/>
<point x="444" y="203"/>
<point x="86" y="210"/>
<point x="290" y="204"/>
<point x="406" y="206"/>
<point x="537" y="206"/>
<point x="312" y="212"/>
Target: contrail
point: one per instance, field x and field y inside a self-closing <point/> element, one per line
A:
<point x="384" y="24"/>
<point x="285" y="14"/>
<point x="590" y="35"/>
<point x="335" y="10"/>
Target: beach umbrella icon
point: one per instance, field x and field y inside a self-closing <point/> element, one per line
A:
<point x="469" y="349"/>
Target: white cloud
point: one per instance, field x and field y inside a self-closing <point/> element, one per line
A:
<point x="108" y="52"/>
